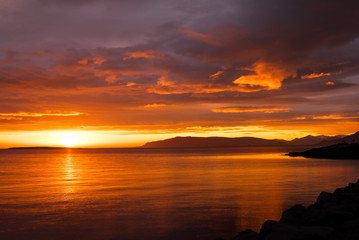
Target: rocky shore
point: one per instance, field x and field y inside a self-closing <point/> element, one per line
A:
<point x="334" y="216"/>
<point x="337" y="151"/>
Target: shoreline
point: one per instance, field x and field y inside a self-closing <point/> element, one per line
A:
<point x="334" y="216"/>
<point x="336" y="151"/>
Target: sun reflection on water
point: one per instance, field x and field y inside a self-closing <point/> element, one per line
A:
<point x="70" y="174"/>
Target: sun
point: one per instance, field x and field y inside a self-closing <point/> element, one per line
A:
<point x="70" y="140"/>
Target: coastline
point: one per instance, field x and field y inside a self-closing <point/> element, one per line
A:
<point x="333" y="216"/>
<point x="336" y="151"/>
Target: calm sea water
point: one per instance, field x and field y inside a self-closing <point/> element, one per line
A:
<point x="100" y="194"/>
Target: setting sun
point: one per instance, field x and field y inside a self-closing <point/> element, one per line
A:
<point x="70" y="140"/>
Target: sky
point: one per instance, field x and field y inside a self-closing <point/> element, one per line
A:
<point x="121" y="73"/>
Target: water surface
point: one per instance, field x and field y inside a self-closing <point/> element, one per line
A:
<point x="98" y="194"/>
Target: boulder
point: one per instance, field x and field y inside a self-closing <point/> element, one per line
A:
<point x="247" y="235"/>
<point x="334" y="216"/>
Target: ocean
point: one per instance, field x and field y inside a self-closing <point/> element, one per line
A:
<point x="177" y="194"/>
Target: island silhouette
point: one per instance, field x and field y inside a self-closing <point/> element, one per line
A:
<point x="199" y="142"/>
<point x="346" y="148"/>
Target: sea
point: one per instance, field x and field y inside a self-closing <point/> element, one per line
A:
<point x="162" y="194"/>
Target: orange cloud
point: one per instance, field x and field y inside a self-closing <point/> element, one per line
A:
<point x="250" y="109"/>
<point x="329" y="83"/>
<point x="26" y="114"/>
<point x="83" y="61"/>
<point x="315" y="75"/>
<point x="199" y="36"/>
<point x="96" y="60"/>
<point x="215" y="75"/>
<point x="327" y="117"/>
<point x="334" y="117"/>
<point x="144" y="54"/>
<point x="266" y="76"/>
<point x="10" y="118"/>
<point x="130" y="84"/>
<point x="155" y="105"/>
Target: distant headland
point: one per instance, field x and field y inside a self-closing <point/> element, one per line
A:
<point x="337" y="151"/>
<point x="199" y="142"/>
<point x="347" y="148"/>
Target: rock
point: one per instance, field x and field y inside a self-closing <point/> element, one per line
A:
<point x="247" y="235"/>
<point x="317" y="232"/>
<point x="323" y="200"/>
<point x="277" y="230"/>
<point x="296" y="215"/>
<point x="349" y="230"/>
<point x="334" y="216"/>
<point x="272" y="230"/>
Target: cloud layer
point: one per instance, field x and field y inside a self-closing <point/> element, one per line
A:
<point x="178" y="64"/>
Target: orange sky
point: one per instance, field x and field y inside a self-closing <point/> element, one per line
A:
<point x="103" y="74"/>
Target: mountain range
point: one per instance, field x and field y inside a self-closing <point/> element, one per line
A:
<point x="198" y="142"/>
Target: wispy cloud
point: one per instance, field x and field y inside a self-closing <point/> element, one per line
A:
<point x="28" y="114"/>
<point x="244" y="109"/>
<point x="150" y="54"/>
<point x="327" y="117"/>
<point x="206" y="38"/>
<point x="334" y="117"/>
<point x="155" y="105"/>
<point x="315" y="75"/>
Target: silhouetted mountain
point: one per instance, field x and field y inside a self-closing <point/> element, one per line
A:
<point x="346" y="147"/>
<point x="354" y="138"/>
<point x="316" y="140"/>
<point x="351" y="138"/>
<point x="191" y="142"/>
<point x="337" y="151"/>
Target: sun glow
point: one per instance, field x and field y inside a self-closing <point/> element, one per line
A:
<point x="70" y="140"/>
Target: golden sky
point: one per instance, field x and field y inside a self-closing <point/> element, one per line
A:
<point x="121" y="73"/>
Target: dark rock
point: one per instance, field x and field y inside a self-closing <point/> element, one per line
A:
<point x="323" y="200"/>
<point x="247" y="235"/>
<point x="334" y="216"/>
<point x="277" y="230"/>
<point x="296" y="215"/>
<point x="317" y="232"/>
<point x="272" y="230"/>
<point x="337" y="151"/>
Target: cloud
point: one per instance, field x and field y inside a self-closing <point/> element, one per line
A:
<point x="155" y="105"/>
<point x="151" y="54"/>
<point x="110" y="58"/>
<point x="334" y="117"/>
<point x="26" y="114"/>
<point x="328" y="117"/>
<point x="315" y="75"/>
<point x="329" y="83"/>
<point x="206" y="38"/>
<point x="265" y="76"/>
<point x="245" y="109"/>
<point x="215" y="75"/>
